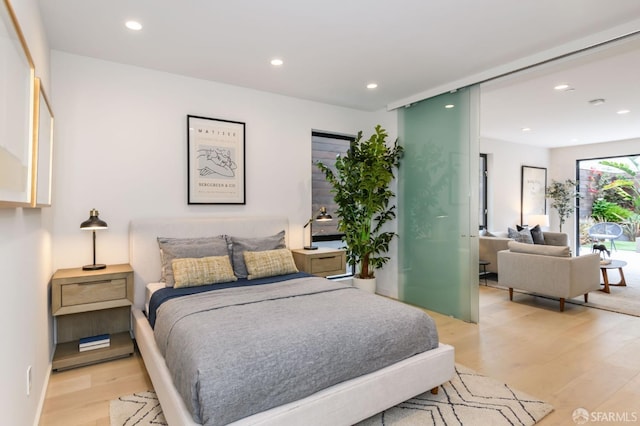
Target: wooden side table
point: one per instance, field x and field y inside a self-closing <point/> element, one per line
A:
<point x="322" y="262"/>
<point x="615" y="264"/>
<point x="89" y="303"/>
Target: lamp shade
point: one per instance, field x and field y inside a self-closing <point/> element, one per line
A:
<point x="323" y="216"/>
<point x="538" y="219"/>
<point x="94" y="222"/>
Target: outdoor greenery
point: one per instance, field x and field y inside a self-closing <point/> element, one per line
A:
<point x="605" y="211"/>
<point x="361" y="187"/>
<point x="617" y="195"/>
<point x="563" y="196"/>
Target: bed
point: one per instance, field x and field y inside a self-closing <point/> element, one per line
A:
<point x="343" y="403"/>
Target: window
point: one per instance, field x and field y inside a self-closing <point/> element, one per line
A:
<point x="325" y="148"/>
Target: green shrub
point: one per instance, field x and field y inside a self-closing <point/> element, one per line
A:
<point x="605" y="211"/>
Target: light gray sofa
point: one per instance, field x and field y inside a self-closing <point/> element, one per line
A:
<point x="490" y="246"/>
<point x="548" y="270"/>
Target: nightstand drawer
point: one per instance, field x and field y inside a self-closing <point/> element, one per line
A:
<point x="322" y="261"/>
<point x="328" y="263"/>
<point x="94" y="291"/>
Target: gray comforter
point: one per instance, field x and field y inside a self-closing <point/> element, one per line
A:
<point x="238" y="351"/>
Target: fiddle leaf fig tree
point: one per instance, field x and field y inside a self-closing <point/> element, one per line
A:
<point x="361" y="187"/>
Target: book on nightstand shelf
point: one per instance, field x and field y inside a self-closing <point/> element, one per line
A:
<point x="94" y="342"/>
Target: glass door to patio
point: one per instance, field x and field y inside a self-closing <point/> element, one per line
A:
<point x="610" y="194"/>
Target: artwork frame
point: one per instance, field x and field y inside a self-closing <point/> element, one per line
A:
<point x="17" y="155"/>
<point x="533" y="199"/>
<point x="215" y="161"/>
<point x="43" y="147"/>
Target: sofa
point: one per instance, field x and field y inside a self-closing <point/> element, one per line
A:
<point x="489" y="246"/>
<point x="548" y="270"/>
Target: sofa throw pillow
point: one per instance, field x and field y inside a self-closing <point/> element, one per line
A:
<point x="240" y="245"/>
<point x="522" y="236"/>
<point x="269" y="263"/>
<point x="557" y="251"/>
<point x="179" y="248"/>
<point x="537" y="235"/>
<point x="193" y="272"/>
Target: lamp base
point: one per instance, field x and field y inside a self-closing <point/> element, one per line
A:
<point x="93" y="267"/>
<point x="310" y="248"/>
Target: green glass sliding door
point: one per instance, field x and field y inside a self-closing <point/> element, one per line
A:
<point x="438" y="204"/>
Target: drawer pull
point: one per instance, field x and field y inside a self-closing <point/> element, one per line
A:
<point x="95" y="282"/>
<point x="327" y="257"/>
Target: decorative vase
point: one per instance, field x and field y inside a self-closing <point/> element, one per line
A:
<point x="368" y="285"/>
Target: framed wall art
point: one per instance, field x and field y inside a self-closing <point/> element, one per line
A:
<point x="533" y="199"/>
<point x="16" y="103"/>
<point x="215" y="161"/>
<point x="43" y="140"/>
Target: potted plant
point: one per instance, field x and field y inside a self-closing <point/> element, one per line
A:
<point x="361" y="187"/>
<point x="563" y="196"/>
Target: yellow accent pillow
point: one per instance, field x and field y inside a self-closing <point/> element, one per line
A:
<point x="268" y="263"/>
<point x="191" y="272"/>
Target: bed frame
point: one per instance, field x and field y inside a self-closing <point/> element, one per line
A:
<point x="342" y="404"/>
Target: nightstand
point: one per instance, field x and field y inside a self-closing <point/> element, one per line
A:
<point x="89" y="303"/>
<point x="321" y="262"/>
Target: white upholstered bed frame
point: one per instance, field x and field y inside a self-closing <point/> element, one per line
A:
<point x="342" y="404"/>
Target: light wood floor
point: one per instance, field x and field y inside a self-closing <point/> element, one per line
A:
<point x="582" y="357"/>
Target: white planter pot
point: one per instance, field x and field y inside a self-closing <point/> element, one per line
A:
<point x="637" y="244"/>
<point x="368" y="285"/>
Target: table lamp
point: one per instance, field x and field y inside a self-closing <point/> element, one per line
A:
<point x="92" y="224"/>
<point x="322" y="216"/>
<point x="538" y="219"/>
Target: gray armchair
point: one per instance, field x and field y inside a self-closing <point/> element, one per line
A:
<point x="548" y="270"/>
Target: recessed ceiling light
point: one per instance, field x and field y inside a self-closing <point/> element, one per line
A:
<point x="624" y="111"/>
<point x="526" y="129"/>
<point x="449" y="106"/>
<point x="133" y="25"/>
<point x="562" y="86"/>
<point x="276" y="62"/>
<point x="596" y="102"/>
<point x="372" y="85"/>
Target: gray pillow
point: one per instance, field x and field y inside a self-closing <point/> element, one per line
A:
<point x="522" y="236"/>
<point x="181" y="248"/>
<point x="240" y="245"/>
<point x="537" y="235"/>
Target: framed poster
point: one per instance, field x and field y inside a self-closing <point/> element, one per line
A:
<point x="215" y="161"/>
<point x="16" y="103"/>
<point x="43" y="146"/>
<point x="533" y="195"/>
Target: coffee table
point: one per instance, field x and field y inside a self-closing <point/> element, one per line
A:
<point x="615" y="264"/>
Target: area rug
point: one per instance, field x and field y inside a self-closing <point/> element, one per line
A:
<point x="139" y="409"/>
<point x="623" y="300"/>
<point x="468" y="399"/>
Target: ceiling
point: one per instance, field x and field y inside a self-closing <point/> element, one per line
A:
<point x="574" y="116"/>
<point x="333" y="49"/>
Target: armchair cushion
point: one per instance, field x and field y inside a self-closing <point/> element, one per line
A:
<point x="558" y="251"/>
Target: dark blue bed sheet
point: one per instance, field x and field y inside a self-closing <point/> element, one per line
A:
<point x="167" y="293"/>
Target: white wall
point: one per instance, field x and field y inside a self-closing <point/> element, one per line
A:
<point x="25" y="250"/>
<point x="563" y="166"/>
<point x="504" y="162"/>
<point x="122" y="146"/>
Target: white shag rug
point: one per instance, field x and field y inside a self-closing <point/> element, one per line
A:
<point x="468" y="399"/>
